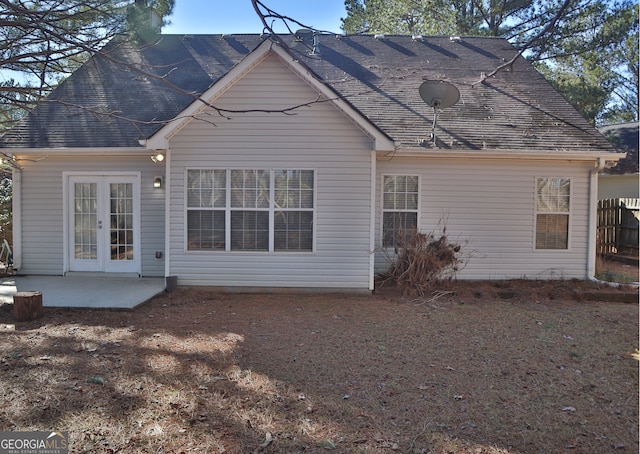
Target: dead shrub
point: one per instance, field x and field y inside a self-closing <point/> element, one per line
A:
<point x="420" y="261"/>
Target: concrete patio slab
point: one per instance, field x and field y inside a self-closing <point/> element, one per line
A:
<point x="90" y="292"/>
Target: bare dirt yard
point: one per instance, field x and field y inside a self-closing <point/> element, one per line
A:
<point x="510" y="367"/>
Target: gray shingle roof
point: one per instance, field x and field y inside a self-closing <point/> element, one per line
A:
<point x="108" y="102"/>
<point x="625" y="137"/>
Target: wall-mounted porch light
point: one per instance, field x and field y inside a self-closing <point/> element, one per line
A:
<point x="157" y="182"/>
<point x="158" y="157"/>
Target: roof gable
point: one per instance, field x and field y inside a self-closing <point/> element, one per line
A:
<point x="127" y="94"/>
<point x="160" y="139"/>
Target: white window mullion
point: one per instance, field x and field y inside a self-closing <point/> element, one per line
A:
<point x="227" y="214"/>
<point x="272" y="193"/>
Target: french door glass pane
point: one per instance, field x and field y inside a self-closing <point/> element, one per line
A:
<point x="121" y="221"/>
<point x="86" y="220"/>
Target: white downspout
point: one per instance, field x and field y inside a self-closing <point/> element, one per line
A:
<point x="593" y="218"/>
<point x="372" y="222"/>
<point x="16" y="214"/>
<point x="167" y="214"/>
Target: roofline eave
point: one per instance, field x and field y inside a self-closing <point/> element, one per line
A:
<point x="629" y="174"/>
<point x="505" y="154"/>
<point x="73" y="151"/>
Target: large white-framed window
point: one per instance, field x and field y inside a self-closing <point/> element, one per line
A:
<point x="268" y="210"/>
<point x="400" y="203"/>
<point x="553" y="209"/>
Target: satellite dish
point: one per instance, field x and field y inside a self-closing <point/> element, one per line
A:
<point x="439" y="94"/>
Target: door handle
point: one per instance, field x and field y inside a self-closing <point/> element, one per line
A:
<point x="99" y="224"/>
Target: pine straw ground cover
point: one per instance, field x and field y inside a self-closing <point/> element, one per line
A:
<point x="518" y="367"/>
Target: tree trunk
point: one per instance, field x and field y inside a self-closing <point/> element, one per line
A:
<point x="27" y="306"/>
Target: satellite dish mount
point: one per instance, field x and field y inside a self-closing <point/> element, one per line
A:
<point x="439" y="95"/>
<point x="310" y="38"/>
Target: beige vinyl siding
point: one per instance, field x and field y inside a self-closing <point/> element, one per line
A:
<point x="618" y="186"/>
<point x="42" y="216"/>
<point x="318" y="138"/>
<point x="489" y="207"/>
<point x="42" y="209"/>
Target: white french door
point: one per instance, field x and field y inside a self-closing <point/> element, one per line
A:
<point x="104" y="220"/>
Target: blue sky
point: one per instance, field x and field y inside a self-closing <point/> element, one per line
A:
<point x="238" y="16"/>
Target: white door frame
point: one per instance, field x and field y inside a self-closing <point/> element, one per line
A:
<point x="133" y="266"/>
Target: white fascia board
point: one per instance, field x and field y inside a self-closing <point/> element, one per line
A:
<point x="518" y="155"/>
<point x="618" y="175"/>
<point x="160" y="140"/>
<point x="132" y="151"/>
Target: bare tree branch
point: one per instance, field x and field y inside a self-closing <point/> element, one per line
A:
<point x="528" y="44"/>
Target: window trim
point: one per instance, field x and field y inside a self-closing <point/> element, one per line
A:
<point x="383" y="210"/>
<point x="536" y="212"/>
<point x="271" y="210"/>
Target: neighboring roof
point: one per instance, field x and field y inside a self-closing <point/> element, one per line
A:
<point x="625" y="137"/>
<point x="108" y="102"/>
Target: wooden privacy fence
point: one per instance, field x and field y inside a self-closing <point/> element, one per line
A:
<point x="618" y="226"/>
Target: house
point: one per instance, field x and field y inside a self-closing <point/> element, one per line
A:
<point x="621" y="180"/>
<point x="249" y="161"/>
<point x="619" y="192"/>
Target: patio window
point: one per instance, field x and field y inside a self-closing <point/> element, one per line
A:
<point x="250" y="210"/>
<point x="399" y="208"/>
<point x="553" y="197"/>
